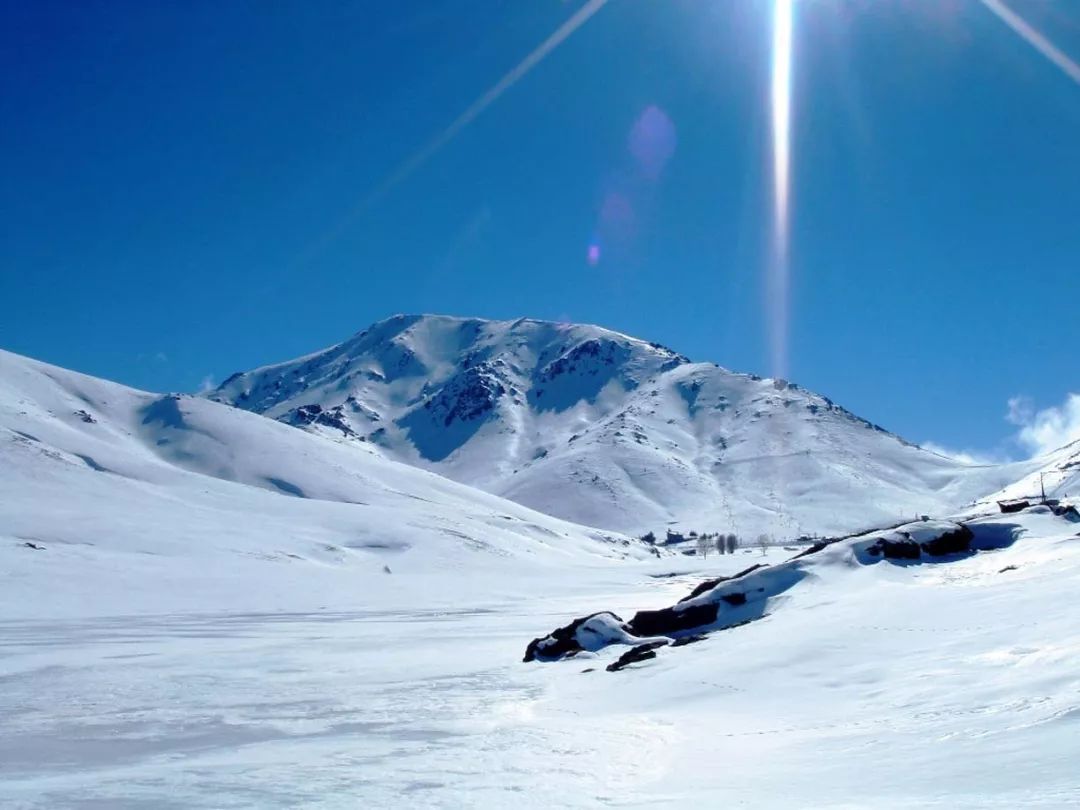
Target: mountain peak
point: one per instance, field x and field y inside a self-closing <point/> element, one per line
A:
<point x="597" y="426"/>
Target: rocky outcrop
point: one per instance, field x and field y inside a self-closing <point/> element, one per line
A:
<point x="676" y="619"/>
<point x="903" y="549"/>
<point x="563" y="642"/>
<point x="957" y="541"/>
<point x="471" y="394"/>
<point x="315" y="414"/>
<point x="642" y="652"/>
<point x="709" y="584"/>
<point x="724" y="602"/>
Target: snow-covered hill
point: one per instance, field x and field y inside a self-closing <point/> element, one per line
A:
<point x="120" y="500"/>
<point x="894" y="684"/>
<point x="195" y="610"/>
<point x="1056" y="473"/>
<point x="608" y="430"/>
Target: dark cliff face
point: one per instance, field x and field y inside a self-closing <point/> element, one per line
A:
<point x="467" y="396"/>
<point x="454" y="412"/>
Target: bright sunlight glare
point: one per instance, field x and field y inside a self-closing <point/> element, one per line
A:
<point x="777" y="288"/>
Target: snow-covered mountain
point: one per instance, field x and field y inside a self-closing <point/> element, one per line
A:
<point x="608" y="430"/>
<point x="144" y="499"/>
<point x="202" y="607"/>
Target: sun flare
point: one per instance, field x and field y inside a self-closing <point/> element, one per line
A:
<point x="781" y="155"/>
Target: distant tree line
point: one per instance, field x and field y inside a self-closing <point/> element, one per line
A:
<point x="704" y="542"/>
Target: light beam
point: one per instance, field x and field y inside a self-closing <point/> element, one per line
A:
<point x="572" y="24"/>
<point x="778" y="274"/>
<point x="490" y="96"/>
<point x="470" y="114"/>
<point x="1039" y="42"/>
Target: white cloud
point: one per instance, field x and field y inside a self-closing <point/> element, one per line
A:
<point x="1040" y="431"/>
<point x="207" y="384"/>
<point x="1021" y="410"/>
<point x="1048" y="429"/>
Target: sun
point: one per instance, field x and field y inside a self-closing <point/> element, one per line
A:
<point x="778" y="275"/>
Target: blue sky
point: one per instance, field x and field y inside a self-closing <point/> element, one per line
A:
<point x="178" y="182"/>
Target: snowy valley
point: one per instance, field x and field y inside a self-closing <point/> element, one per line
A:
<point x="322" y="597"/>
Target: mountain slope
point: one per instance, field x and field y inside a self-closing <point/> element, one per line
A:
<point x="1056" y="472"/>
<point x="607" y="430"/>
<point x="153" y="500"/>
<point x="194" y="612"/>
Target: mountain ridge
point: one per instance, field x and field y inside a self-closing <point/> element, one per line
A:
<point x="607" y="429"/>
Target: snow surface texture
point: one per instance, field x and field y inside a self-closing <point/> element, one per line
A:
<point x="165" y="502"/>
<point x="195" y="611"/>
<point x="947" y="685"/>
<point x="732" y="601"/>
<point x="606" y="430"/>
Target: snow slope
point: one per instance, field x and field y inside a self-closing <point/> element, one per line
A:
<point x="607" y="430"/>
<point x="207" y="624"/>
<point x="949" y="684"/>
<point x="152" y="502"/>
<point x="1058" y="472"/>
<point x="915" y="684"/>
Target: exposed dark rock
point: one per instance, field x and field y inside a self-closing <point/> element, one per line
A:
<point x="687" y="622"/>
<point x="682" y="642"/>
<point x="1068" y="512"/>
<point x="1016" y="505"/>
<point x="824" y="543"/>
<point x="957" y="541"/>
<point x="472" y="394"/>
<point x="895" y="549"/>
<point x="315" y="414"/>
<point x="954" y="542"/>
<point x="677" y="358"/>
<point x="562" y="642"/>
<point x="1007" y="568"/>
<point x="821" y="545"/>
<point x="642" y="652"/>
<point x="701" y="587"/>
<point x="672" y="620"/>
<point x="709" y="584"/>
<point x="605" y="352"/>
<point x="86" y="417"/>
<point x="34" y="546"/>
